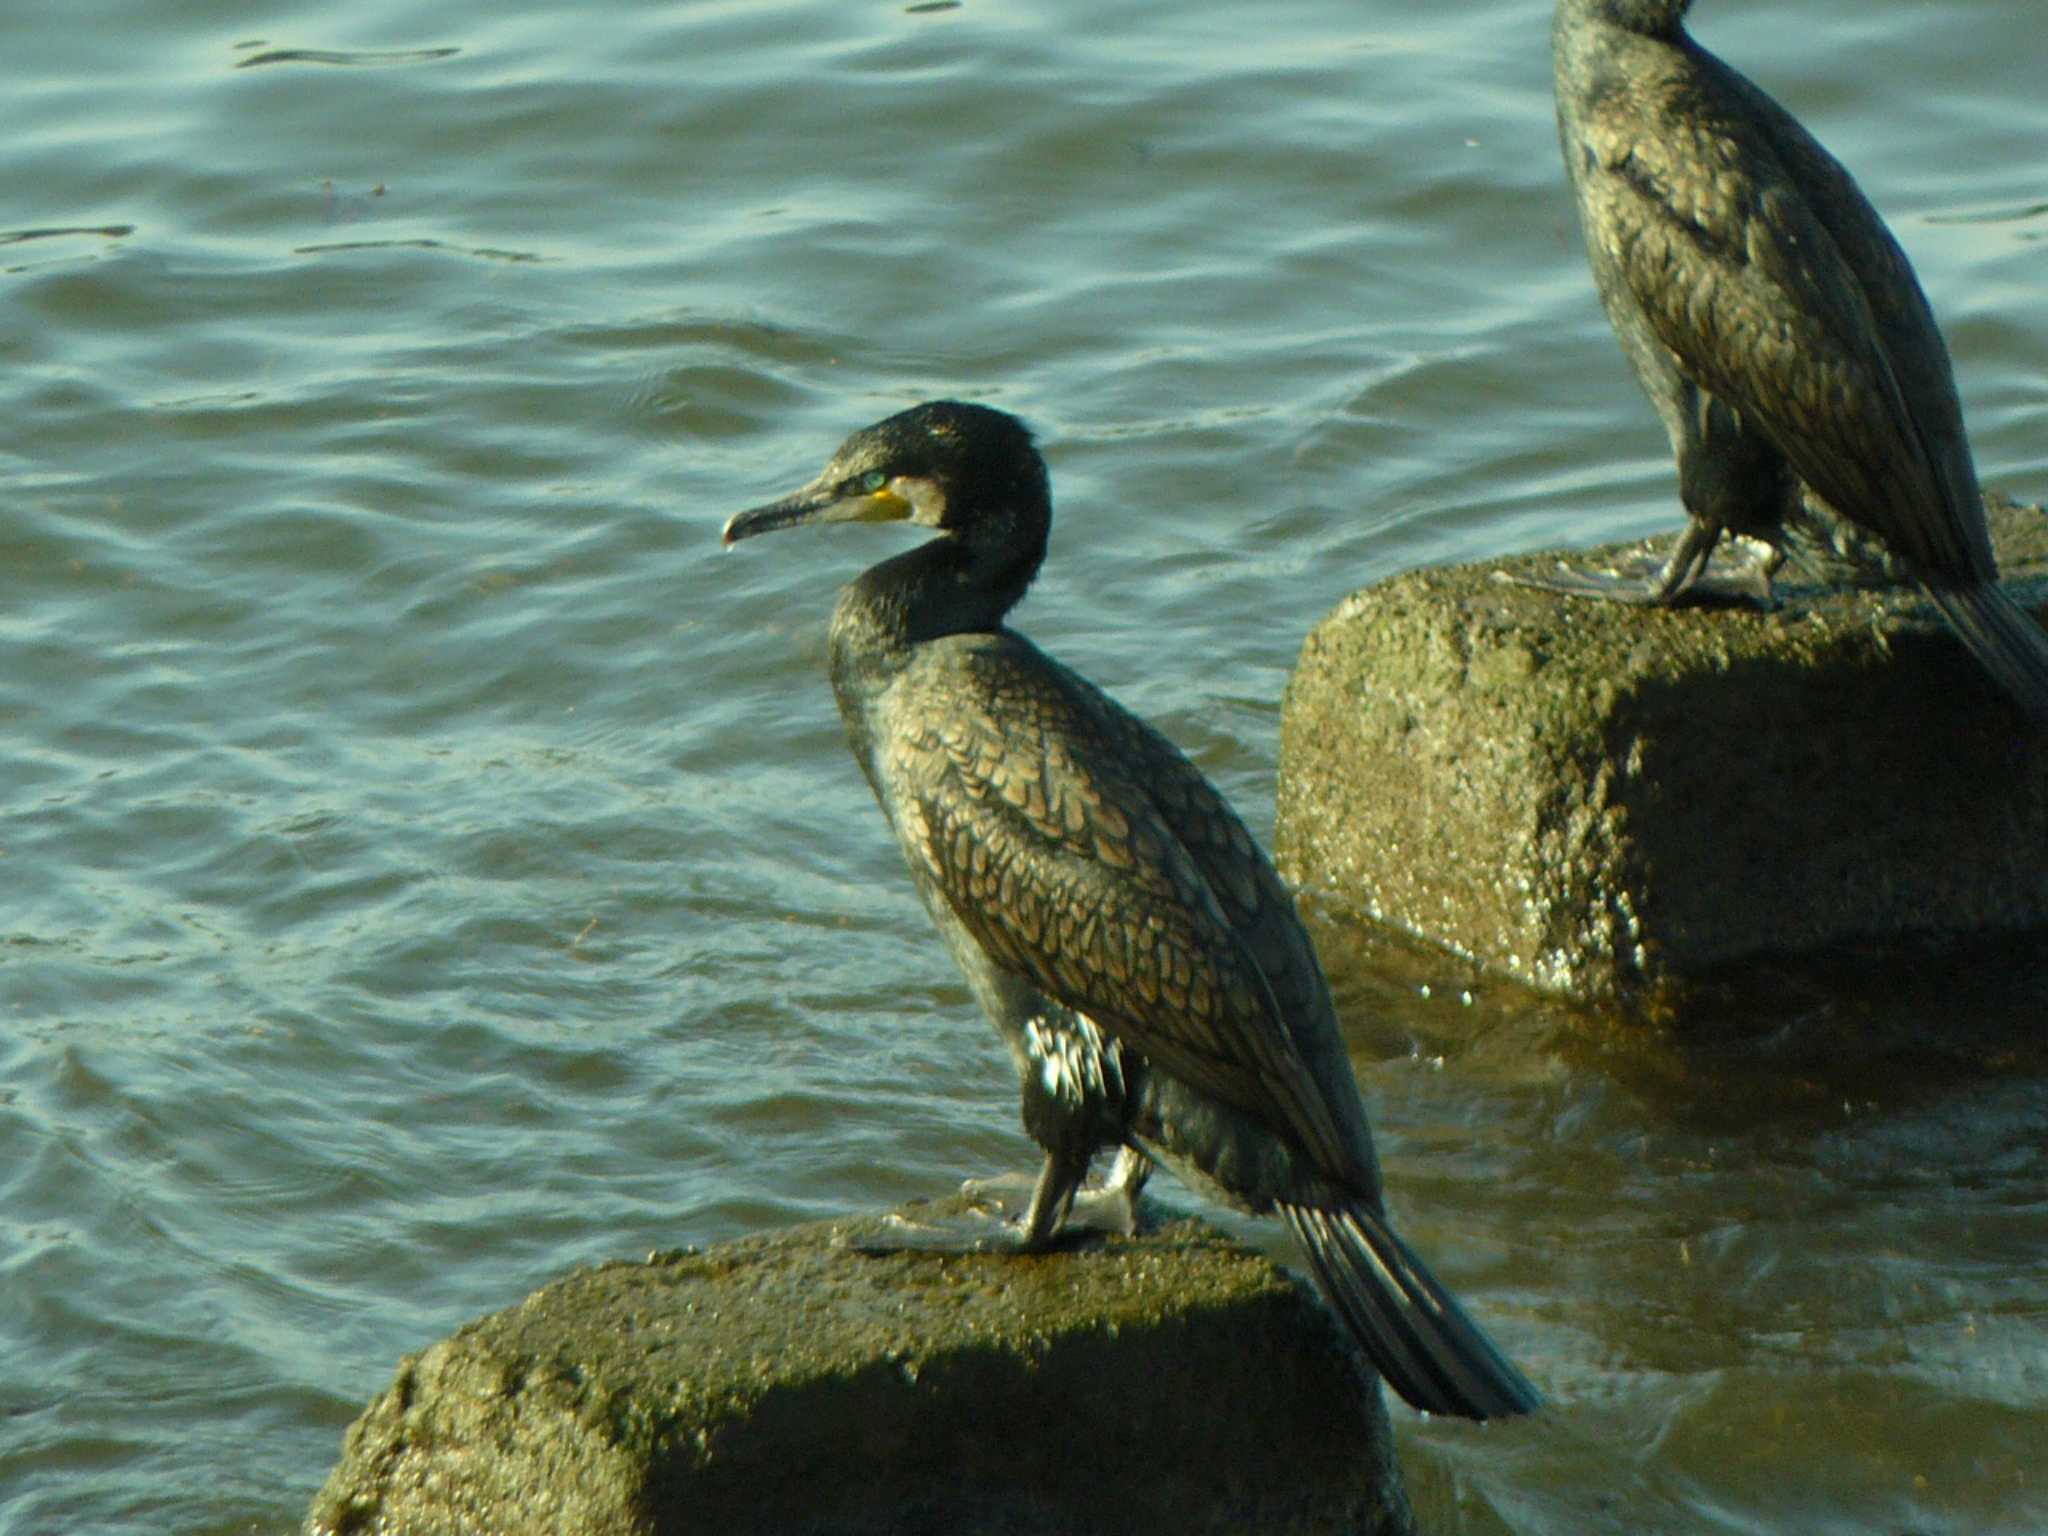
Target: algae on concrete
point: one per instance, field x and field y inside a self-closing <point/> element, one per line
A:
<point x="1617" y="802"/>
<point x="1175" y="1382"/>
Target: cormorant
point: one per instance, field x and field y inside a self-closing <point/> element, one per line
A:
<point x="1773" y="320"/>
<point x="1133" y="944"/>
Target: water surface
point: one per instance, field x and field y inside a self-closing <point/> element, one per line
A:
<point x="430" y="864"/>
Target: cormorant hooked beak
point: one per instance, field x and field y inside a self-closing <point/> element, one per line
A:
<point x="824" y="500"/>
<point x="871" y="497"/>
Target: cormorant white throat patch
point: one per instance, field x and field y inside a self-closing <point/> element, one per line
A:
<point x="927" y="499"/>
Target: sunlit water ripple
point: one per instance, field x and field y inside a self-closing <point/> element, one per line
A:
<point x="430" y="864"/>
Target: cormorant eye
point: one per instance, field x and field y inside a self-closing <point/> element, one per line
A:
<point x="870" y="482"/>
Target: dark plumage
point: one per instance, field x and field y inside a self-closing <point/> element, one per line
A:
<point x="1134" y="946"/>
<point x="1773" y="320"/>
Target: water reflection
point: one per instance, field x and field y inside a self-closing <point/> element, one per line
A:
<point x="1781" y="1256"/>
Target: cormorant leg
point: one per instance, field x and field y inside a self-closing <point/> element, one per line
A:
<point x="1648" y="578"/>
<point x="1051" y="1199"/>
<point x="1829" y="550"/>
<point x="1108" y="1206"/>
<point x="1112" y="1206"/>
<point x="989" y="1226"/>
<point x="1730" y="479"/>
<point x="1688" y="562"/>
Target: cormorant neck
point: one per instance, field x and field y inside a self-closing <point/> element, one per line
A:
<point x="959" y="583"/>
<point x="1651" y="18"/>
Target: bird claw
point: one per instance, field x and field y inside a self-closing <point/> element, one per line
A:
<point x="1109" y="1208"/>
<point x="971" y="1232"/>
<point x="1005" y="1196"/>
<point x="1642" y="577"/>
<point x="995" y="1216"/>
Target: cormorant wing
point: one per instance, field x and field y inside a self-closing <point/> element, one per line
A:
<point x="1737" y="272"/>
<point x="1907" y="335"/>
<point x="1258" y="906"/>
<point x="1019" y="799"/>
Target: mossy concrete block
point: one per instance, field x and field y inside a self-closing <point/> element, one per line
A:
<point x="1176" y="1382"/>
<point x="1617" y="802"/>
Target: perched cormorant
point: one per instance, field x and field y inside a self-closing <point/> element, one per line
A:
<point x="1134" y="946"/>
<point x="1773" y="320"/>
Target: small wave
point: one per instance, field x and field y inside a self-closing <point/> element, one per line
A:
<point x="59" y="232"/>
<point x="355" y="58"/>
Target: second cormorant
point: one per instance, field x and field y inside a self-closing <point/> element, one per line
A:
<point x="1132" y="943"/>
<point x="1773" y="321"/>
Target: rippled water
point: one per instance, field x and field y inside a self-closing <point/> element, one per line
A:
<point x="429" y="864"/>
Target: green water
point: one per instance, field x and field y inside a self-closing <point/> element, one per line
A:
<point x="426" y="863"/>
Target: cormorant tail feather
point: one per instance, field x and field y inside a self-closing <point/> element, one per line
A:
<point x="1413" y="1329"/>
<point x="2004" y="637"/>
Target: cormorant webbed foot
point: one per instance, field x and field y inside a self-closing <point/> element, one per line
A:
<point x="1108" y="1205"/>
<point x="1685" y="578"/>
<point x="1021" y="1213"/>
<point x="973" y="1231"/>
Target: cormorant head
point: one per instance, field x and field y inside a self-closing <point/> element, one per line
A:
<point x="962" y="469"/>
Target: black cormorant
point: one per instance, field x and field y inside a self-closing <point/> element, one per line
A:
<point x="1773" y="320"/>
<point x="1139" y="954"/>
